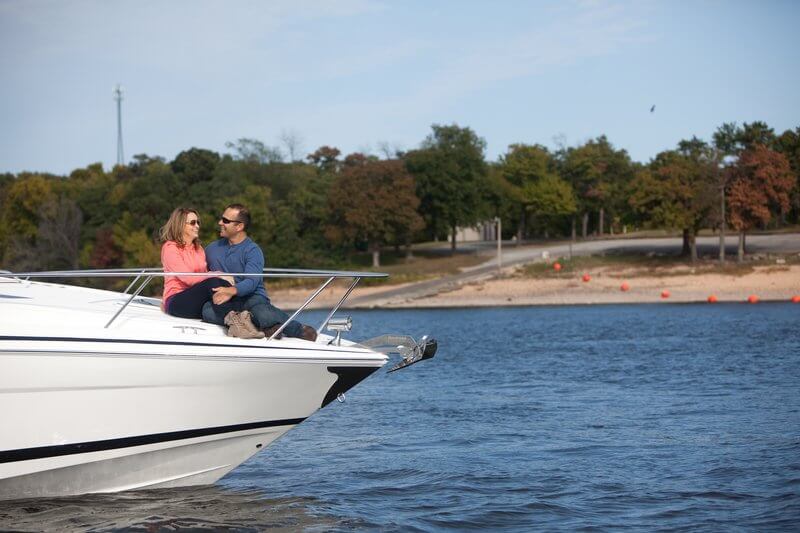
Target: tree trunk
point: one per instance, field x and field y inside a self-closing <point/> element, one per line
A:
<point x="740" y="250"/>
<point x="693" y="246"/>
<point x="453" y="241"/>
<point x="409" y="252"/>
<point x="376" y="257"/>
<point x="573" y="228"/>
<point x="601" y="222"/>
<point x="521" y="226"/>
<point x="722" y="226"/>
<point x="686" y="248"/>
<point x="585" y="224"/>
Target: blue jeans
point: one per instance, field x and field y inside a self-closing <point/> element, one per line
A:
<point x="264" y="314"/>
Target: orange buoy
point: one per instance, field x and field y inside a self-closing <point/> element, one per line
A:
<point x="557" y="266"/>
<point x="796" y="299"/>
<point x="624" y="287"/>
<point x="712" y="299"/>
<point x="752" y="299"/>
<point x="665" y="293"/>
<point x="586" y="277"/>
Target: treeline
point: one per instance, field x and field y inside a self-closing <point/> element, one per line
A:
<point x="320" y="211"/>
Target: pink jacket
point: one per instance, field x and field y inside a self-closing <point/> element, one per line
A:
<point x="176" y="258"/>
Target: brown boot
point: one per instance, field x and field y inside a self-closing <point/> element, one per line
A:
<point x="309" y="333"/>
<point x="271" y="330"/>
<point x="247" y="322"/>
<point x="239" y="325"/>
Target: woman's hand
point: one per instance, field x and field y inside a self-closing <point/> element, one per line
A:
<point x="229" y="279"/>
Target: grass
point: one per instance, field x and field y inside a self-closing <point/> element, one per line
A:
<point x="425" y="264"/>
<point x="638" y="265"/>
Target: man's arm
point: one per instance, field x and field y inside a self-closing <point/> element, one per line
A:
<point x="253" y="264"/>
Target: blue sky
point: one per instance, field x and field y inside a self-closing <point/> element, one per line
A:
<point x="358" y="73"/>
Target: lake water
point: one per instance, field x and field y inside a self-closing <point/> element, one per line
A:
<point x="670" y="417"/>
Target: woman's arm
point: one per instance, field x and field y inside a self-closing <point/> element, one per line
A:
<point x="176" y="259"/>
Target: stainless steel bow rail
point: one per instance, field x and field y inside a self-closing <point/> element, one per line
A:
<point x="143" y="276"/>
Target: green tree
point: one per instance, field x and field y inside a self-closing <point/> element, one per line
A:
<point x="534" y="186"/>
<point x="372" y="201"/>
<point x="139" y="248"/>
<point x="255" y="151"/>
<point x="596" y="170"/>
<point x="678" y="191"/>
<point x="26" y="196"/>
<point x="732" y="139"/>
<point x="451" y="178"/>
<point x="788" y="143"/>
<point x="553" y="198"/>
<point x="195" y="165"/>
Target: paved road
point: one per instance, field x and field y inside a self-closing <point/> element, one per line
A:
<point x="784" y="243"/>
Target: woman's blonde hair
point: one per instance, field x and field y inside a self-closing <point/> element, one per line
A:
<point x="173" y="229"/>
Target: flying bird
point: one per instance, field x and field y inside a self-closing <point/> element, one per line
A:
<point x="653" y="108"/>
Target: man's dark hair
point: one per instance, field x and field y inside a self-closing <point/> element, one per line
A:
<point x="243" y="216"/>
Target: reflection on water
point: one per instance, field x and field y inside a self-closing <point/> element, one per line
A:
<point x="193" y="508"/>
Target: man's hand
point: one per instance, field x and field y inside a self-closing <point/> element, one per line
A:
<point x="223" y="294"/>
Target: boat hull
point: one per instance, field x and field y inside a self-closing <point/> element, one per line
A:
<point x="105" y="417"/>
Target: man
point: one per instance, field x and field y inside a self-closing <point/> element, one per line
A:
<point x="236" y="252"/>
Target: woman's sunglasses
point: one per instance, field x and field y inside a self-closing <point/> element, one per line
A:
<point x="193" y="223"/>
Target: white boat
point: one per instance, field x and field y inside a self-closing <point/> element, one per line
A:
<point x="91" y="403"/>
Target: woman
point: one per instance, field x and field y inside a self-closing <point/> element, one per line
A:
<point x="184" y="296"/>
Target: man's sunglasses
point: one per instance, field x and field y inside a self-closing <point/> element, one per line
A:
<point x="193" y="223"/>
<point x="229" y="221"/>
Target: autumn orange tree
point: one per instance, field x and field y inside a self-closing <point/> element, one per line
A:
<point x="372" y="201"/>
<point x="760" y="184"/>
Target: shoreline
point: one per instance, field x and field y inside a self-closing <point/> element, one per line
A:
<point x="773" y="283"/>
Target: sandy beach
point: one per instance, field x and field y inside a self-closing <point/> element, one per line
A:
<point x="768" y="283"/>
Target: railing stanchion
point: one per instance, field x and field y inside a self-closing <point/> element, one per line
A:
<point x="300" y="309"/>
<point x="336" y="307"/>
<point x="134" y="295"/>
<point x="132" y="283"/>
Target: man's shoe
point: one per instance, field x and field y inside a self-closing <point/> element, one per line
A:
<point x="240" y="325"/>
<point x="247" y="322"/>
<point x="271" y="330"/>
<point x="309" y="333"/>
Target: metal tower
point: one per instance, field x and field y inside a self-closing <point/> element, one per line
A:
<point x="118" y="97"/>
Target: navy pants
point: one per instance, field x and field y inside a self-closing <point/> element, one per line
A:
<point x="263" y="313"/>
<point x="189" y="303"/>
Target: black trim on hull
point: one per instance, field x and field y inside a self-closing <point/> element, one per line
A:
<point x="347" y="377"/>
<point x="27" y="454"/>
<point x="314" y="347"/>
